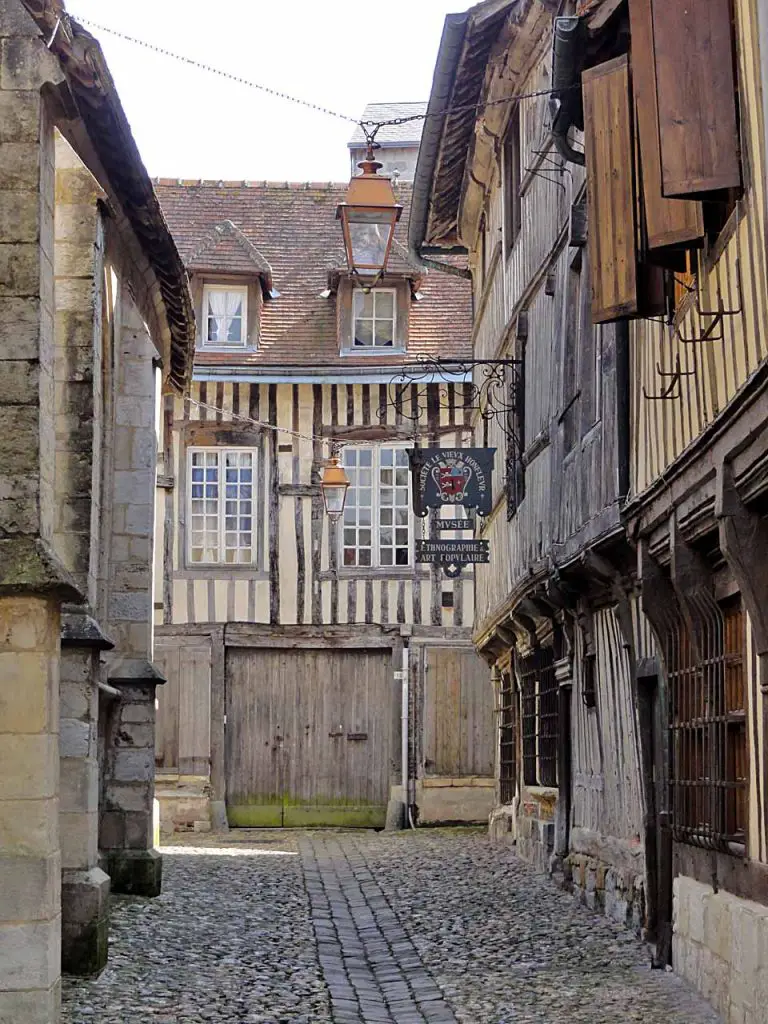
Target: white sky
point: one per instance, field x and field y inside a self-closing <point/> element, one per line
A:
<point x="341" y="54"/>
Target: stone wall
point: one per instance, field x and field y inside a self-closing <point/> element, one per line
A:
<point x="720" y="945"/>
<point x="617" y="893"/>
<point x="30" y="860"/>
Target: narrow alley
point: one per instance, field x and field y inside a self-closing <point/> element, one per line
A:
<point x="439" y="926"/>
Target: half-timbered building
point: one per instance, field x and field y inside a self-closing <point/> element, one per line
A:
<point x="299" y="651"/>
<point x="604" y="170"/>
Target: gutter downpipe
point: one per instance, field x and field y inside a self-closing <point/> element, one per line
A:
<point x="404" y="734"/>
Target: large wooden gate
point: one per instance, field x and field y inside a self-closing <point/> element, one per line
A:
<point x="308" y="736"/>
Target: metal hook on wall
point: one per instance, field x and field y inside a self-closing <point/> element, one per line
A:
<point x="718" y="315"/>
<point x="675" y="380"/>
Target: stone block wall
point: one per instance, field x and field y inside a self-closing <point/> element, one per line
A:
<point x="720" y="945"/>
<point x="30" y="859"/>
<point x="617" y="893"/>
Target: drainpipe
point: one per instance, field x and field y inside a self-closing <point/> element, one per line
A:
<point x="404" y="727"/>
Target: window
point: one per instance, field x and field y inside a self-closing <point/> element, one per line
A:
<point x="541" y="717"/>
<point x="374" y="318"/>
<point x="225" y="317"/>
<point x="507" y="739"/>
<point x="221" y="505"/>
<point x="377" y="518"/>
<point x="512" y="200"/>
<point x="708" y="729"/>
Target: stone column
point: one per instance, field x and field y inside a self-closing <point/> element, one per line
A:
<point x="85" y="887"/>
<point x="30" y="862"/>
<point x="33" y="583"/>
<point x="126" y="833"/>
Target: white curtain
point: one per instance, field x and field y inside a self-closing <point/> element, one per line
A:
<point x="221" y="307"/>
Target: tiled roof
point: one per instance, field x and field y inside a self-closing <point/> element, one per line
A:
<point x="293" y="228"/>
<point x="393" y="134"/>
<point x="225" y="249"/>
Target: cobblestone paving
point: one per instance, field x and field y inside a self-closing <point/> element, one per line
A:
<point x="437" y="926"/>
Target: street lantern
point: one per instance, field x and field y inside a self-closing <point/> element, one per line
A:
<point x="334" y="488"/>
<point x="368" y="217"/>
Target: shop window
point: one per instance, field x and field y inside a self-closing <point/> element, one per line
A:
<point x="541" y="717"/>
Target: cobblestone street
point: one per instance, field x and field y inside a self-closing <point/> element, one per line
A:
<point x="434" y="926"/>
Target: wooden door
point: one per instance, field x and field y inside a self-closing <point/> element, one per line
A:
<point x="308" y="737"/>
<point x="459" y="728"/>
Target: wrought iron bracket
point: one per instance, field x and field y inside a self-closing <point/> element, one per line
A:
<point x="492" y="388"/>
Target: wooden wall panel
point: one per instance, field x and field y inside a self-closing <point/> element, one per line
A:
<point x="609" y="150"/>
<point x="696" y="93"/>
<point x="667" y="221"/>
<point x="607" y="796"/>
<point x="459" y="727"/>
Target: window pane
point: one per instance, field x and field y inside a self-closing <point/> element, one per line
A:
<point x="365" y="556"/>
<point x="366" y="456"/>
<point x="363" y="303"/>
<point x="364" y="332"/>
<point x="387" y="556"/>
<point x="384" y="332"/>
<point x="387" y="456"/>
<point x="385" y="304"/>
<point x="234" y="333"/>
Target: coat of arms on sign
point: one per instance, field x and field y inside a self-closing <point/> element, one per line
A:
<point x="452" y="477"/>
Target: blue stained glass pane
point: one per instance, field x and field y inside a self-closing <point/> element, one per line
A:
<point x="197" y="472"/>
<point x="245" y="523"/>
<point x="245" y="491"/>
<point x="246" y="475"/>
<point x="231" y="475"/>
<point x="212" y="473"/>
<point x="197" y="490"/>
<point x="231" y="490"/>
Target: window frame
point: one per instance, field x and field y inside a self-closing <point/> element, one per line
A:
<point x="540" y="724"/>
<point x="376" y="565"/>
<point x="222" y="451"/>
<point x="224" y="286"/>
<point x="513" y="200"/>
<point x="397" y="344"/>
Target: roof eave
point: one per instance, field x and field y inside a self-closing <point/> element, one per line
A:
<point x="115" y="152"/>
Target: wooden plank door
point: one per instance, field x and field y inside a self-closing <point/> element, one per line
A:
<point x="308" y="737"/>
<point x="459" y="728"/>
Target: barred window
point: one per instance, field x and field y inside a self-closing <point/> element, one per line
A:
<point x="221" y="528"/>
<point x="507" y="739"/>
<point x="707" y="715"/>
<point x="377" y="518"/>
<point x="541" y="717"/>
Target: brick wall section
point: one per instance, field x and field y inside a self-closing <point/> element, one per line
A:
<point x="30" y="862"/>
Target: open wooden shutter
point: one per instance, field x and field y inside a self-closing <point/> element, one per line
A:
<point x="696" y="95"/>
<point x="610" y="190"/>
<point x="667" y="221"/>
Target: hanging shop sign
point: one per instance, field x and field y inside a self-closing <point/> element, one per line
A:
<point x="452" y="476"/>
<point x="453" y="555"/>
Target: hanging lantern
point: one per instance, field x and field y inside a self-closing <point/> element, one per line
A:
<point x="368" y="217"/>
<point x="334" y="487"/>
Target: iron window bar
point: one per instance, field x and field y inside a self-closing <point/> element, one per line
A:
<point x="541" y="716"/>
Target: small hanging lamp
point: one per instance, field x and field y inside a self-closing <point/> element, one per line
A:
<point x="334" y="486"/>
<point x="368" y="217"/>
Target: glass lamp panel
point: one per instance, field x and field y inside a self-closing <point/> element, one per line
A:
<point x="369" y="238"/>
<point x="334" y="499"/>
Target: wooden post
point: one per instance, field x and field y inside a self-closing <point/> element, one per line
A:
<point x="218" y="732"/>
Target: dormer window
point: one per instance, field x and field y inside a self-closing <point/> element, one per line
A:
<point x="225" y="316"/>
<point x="374" y="318"/>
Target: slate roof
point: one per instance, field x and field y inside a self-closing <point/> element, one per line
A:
<point x="395" y="134"/>
<point x="293" y="228"/>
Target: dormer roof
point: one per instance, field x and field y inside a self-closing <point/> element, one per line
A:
<point x="225" y="249"/>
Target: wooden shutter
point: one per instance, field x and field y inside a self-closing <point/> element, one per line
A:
<point x="610" y="190"/>
<point x="667" y="221"/>
<point x="696" y="96"/>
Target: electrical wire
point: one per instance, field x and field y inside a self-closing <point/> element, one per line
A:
<point x="369" y="127"/>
